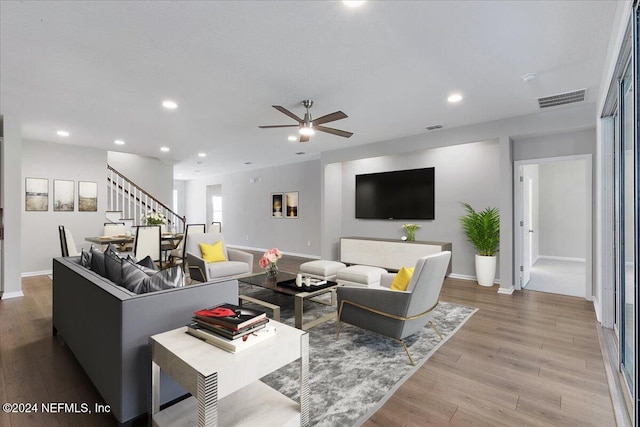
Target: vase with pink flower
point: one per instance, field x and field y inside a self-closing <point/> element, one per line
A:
<point x="269" y="261"/>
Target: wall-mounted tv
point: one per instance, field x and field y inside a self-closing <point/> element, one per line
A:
<point x="404" y="194"/>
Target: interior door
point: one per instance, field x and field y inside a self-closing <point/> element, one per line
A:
<point x="526" y="229"/>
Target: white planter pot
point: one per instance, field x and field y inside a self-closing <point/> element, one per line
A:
<point x="485" y="270"/>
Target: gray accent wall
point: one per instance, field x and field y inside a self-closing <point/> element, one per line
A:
<point x="463" y="173"/>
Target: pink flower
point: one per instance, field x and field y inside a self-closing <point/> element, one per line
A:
<point x="270" y="257"/>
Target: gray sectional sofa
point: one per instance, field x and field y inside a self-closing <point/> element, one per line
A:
<point x="107" y="328"/>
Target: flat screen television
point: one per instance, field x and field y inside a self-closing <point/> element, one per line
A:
<point x="404" y="194"/>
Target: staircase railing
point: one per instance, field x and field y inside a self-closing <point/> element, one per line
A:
<point x="125" y="196"/>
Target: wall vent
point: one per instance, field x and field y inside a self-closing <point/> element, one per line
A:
<point x="562" y="98"/>
<point x="434" y="127"/>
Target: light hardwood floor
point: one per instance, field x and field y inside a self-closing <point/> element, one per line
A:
<point x="524" y="359"/>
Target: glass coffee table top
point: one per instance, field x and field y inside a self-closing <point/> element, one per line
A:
<point x="284" y="282"/>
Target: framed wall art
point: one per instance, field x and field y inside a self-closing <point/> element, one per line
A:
<point x="36" y="192"/>
<point x="64" y="195"/>
<point x="87" y="196"/>
<point x="291" y="201"/>
<point x="276" y="205"/>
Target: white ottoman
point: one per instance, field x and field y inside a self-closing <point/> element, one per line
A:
<point x="321" y="269"/>
<point x="360" y="275"/>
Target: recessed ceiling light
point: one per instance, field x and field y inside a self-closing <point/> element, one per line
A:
<point x="299" y="153"/>
<point x="169" y="104"/>
<point x="62" y="133"/>
<point x="248" y="163"/>
<point x="454" y="97"/>
<point x="118" y="142"/>
<point x="202" y="154"/>
<point x="292" y="138"/>
<point x="353" y="3"/>
<point x="528" y="77"/>
<point x="165" y="149"/>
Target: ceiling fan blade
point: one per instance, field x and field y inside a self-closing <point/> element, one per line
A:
<point x="304" y="138"/>
<point x="330" y="118"/>
<point x="333" y="131"/>
<point x="288" y="113"/>
<point x="278" y="126"/>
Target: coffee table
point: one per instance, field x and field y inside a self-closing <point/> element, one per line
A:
<point x="284" y="283"/>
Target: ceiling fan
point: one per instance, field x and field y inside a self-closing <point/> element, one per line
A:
<point x="308" y="126"/>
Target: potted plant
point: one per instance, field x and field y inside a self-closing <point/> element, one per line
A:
<point x="483" y="230"/>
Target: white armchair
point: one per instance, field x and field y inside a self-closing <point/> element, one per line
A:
<point x="396" y="314"/>
<point x="237" y="262"/>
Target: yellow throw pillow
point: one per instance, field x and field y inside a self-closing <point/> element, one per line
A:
<point x="212" y="253"/>
<point x="402" y="279"/>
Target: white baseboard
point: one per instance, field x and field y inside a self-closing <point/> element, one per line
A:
<point x="506" y="291"/>
<point x="265" y="249"/>
<point x="36" y="273"/>
<point x="561" y="258"/>
<point x="596" y="308"/>
<point x="16" y="294"/>
<point x="467" y="277"/>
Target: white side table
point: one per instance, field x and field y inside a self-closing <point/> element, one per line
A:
<point x="224" y="386"/>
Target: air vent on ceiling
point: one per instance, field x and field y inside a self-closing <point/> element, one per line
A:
<point x="562" y="98"/>
<point x="434" y="127"/>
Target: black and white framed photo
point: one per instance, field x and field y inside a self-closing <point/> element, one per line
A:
<point x="291" y="204"/>
<point x="276" y="205"/>
<point x="36" y="193"/>
<point x="64" y="195"/>
<point x="87" y="196"/>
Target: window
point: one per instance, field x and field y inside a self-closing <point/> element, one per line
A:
<point x="216" y="208"/>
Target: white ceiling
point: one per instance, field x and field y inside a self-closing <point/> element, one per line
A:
<point x="100" y="70"/>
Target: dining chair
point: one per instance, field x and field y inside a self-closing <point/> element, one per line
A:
<point x="215" y="227"/>
<point x="190" y="229"/>
<point x="148" y="243"/>
<point x="114" y="228"/>
<point x="67" y="244"/>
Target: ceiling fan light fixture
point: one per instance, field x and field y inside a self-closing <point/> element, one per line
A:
<point x="307" y="130"/>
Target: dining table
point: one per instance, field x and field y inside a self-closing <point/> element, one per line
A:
<point x="168" y="241"/>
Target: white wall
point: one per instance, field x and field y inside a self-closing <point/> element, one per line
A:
<point x="40" y="241"/>
<point x="562" y="200"/>
<point x="151" y="174"/>
<point x="246" y="199"/>
<point x="11" y="203"/>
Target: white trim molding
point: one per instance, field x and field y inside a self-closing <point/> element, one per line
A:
<point x="37" y="273"/>
<point x="506" y="291"/>
<point x="9" y="295"/>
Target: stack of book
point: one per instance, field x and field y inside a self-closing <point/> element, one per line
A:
<point x="230" y="327"/>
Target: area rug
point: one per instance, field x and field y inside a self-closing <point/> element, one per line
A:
<point x="351" y="377"/>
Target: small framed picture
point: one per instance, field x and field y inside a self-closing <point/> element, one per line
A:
<point x="87" y="196"/>
<point x="36" y="193"/>
<point x="291" y="204"/>
<point x="64" y="195"/>
<point x="276" y="205"/>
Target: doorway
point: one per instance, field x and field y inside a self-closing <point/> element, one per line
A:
<point x="553" y="227"/>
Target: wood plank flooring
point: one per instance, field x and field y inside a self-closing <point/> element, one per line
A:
<point x="527" y="359"/>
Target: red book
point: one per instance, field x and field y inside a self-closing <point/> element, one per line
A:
<point x="230" y="316"/>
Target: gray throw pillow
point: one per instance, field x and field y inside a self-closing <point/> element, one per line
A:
<point x="136" y="280"/>
<point x="113" y="266"/>
<point x="85" y="258"/>
<point x="144" y="264"/>
<point x="131" y="276"/>
<point x="97" y="262"/>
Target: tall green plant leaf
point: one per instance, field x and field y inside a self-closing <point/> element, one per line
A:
<point x="482" y="229"/>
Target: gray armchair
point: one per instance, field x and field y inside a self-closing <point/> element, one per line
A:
<point x="238" y="263"/>
<point x="396" y="314"/>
